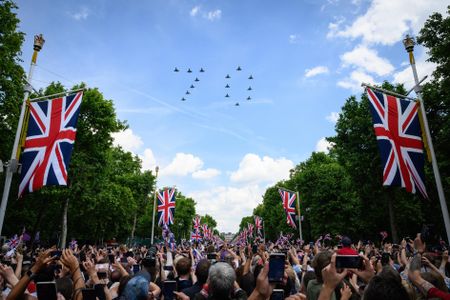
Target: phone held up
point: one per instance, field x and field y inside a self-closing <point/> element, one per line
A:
<point x="276" y="267"/>
<point x="349" y="262"/>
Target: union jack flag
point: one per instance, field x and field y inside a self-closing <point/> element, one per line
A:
<point x="384" y="235"/>
<point x="205" y="228"/>
<point x="49" y="142"/>
<point x="250" y="229"/>
<point x="288" y="199"/>
<point x="196" y="223"/>
<point x="196" y="236"/>
<point x="166" y="206"/>
<point x="258" y="225"/>
<point x="14" y="242"/>
<point x="397" y="127"/>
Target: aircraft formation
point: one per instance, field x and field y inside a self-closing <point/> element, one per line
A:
<point x="228" y="85"/>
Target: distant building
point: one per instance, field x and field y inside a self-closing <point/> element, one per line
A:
<point x="228" y="236"/>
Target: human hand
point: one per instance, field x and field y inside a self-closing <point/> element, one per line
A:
<point x="330" y="276"/>
<point x="419" y="245"/>
<point x="346" y="292"/>
<point x="42" y="261"/>
<point x="298" y="296"/>
<point x="90" y="267"/>
<point x="8" y="273"/>
<point x="263" y="287"/>
<point x="69" y="260"/>
<point x="368" y="271"/>
<point x="181" y="296"/>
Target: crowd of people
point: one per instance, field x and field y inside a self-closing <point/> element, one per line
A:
<point x="211" y="270"/>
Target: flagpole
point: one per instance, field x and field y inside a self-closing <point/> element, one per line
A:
<point x="299" y="217"/>
<point x="13" y="163"/>
<point x="154" y="206"/>
<point x="409" y="47"/>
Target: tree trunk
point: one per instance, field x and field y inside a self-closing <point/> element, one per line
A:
<point x="64" y="224"/>
<point x="134" y="226"/>
<point x="391" y="199"/>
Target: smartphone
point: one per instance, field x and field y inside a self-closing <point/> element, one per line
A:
<point x="168" y="268"/>
<point x="277" y="294"/>
<point x="136" y="268"/>
<point x="276" y="267"/>
<point x="56" y="253"/>
<point x="102" y="275"/>
<point x="46" y="290"/>
<point x="255" y="249"/>
<point x="111" y="258"/>
<point x="89" y="294"/>
<point x="385" y="257"/>
<point x="100" y="291"/>
<point x="169" y="287"/>
<point x="349" y="262"/>
<point x="124" y="260"/>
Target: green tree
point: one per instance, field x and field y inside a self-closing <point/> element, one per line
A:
<point x="11" y="76"/>
<point x="436" y="96"/>
<point x="245" y="221"/>
<point x="184" y="214"/>
<point x="208" y="220"/>
<point x="326" y="194"/>
<point x="356" y="149"/>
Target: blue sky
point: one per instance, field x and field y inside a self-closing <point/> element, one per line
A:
<point x="306" y="58"/>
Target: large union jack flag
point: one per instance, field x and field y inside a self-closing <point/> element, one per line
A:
<point x="166" y="206"/>
<point x="397" y="127"/>
<point x="288" y="199"/>
<point x="49" y="142"/>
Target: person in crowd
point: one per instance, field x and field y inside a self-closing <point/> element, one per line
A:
<point x="388" y="271"/>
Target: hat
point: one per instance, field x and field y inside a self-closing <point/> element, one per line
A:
<point x="136" y="288"/>
<point x="346" y="241"/>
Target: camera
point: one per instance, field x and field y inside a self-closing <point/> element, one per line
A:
<point x="150" y="260"/>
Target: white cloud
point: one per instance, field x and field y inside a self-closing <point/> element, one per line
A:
<point x="316" y="71"/>
<point x="333" y="117"/>
<point x="183" y="164"/>
<point x="230" y="204"/>
<point x="254" y="169"/>
<point x="194" y="11"/>
<point x="386" y="21"/>
<point x="293" y="38"/>
<point x="127" y="140"/>
<point x="206" y="174"/>
<point x="367" y="59"/>
<point x="354" y="81"/>
<point x="333" y="27"/>
<point x="214" y="15"/>
<point x="323" y="145"/>
<point x="405" y="76"/>
<point x="82" y="14"/>
<point x="148" y="160"/>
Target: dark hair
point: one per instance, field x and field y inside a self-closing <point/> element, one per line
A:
<point x="320" y="261"/>
<point x="202" y="270"/>
<point x="65" y="287"/>
<point x="123" y="283"/>
<point x="386" y="286"/>
<point x="435" y="280"/>
<point x="310" y="275"/>
<point x="183" y="266"/>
